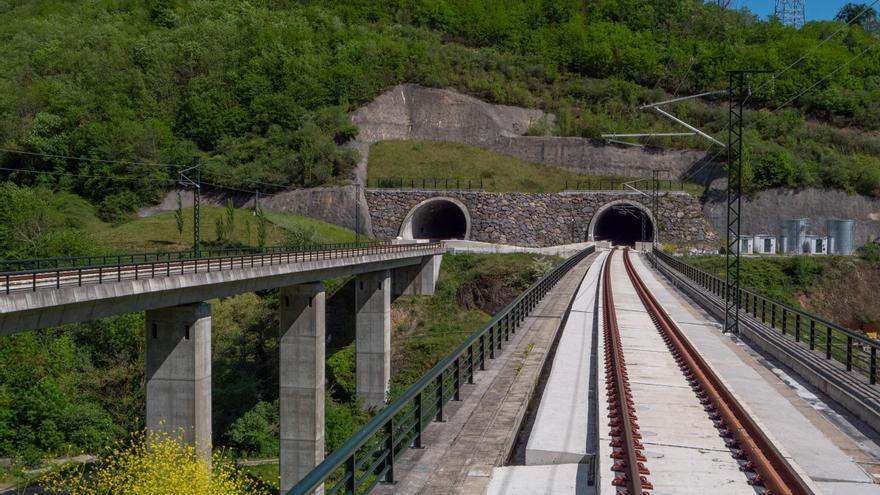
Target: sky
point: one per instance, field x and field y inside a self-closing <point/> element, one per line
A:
<point x="815" y="9"/>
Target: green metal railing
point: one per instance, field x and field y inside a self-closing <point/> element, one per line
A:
<point x="56" y="278"/>
<point x="368" y="457"/>
<point x="855" y="351"/>
<point x="12" y="266"/>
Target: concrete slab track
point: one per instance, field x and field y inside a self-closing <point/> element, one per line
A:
<point x="480" y="430"/>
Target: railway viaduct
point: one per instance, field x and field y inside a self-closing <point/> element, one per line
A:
<point x="178" y="327"/>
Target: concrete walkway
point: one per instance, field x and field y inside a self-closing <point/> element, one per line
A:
<point x="481" y="429"/>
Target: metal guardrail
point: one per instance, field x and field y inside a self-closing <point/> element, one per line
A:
<point x="449" y="183"/>
<point x="467" y="184"/>
<point x="855" y="351"/>
<point x="368" y="457"/>
<point x="620" y="185"/>
<point x="120" y="258"/>
<point x="33" y="280"/>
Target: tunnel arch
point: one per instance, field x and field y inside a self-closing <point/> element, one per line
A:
<point x="437" y="218"/>
<point x="620" y="222"/>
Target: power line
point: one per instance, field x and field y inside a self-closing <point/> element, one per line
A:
<point x="128" y="162"/>
<point x="84" y="159"/>
<point x="88" y="176"/>
<point x="789" y="101"/>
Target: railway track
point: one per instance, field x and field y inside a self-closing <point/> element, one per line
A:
<point x="761" y="466"/>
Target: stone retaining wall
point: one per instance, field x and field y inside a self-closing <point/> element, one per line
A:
<point x="540" y="219"/>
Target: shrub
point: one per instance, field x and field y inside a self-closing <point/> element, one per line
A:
<point x="118" y="207"/>
<point x="255" y="434"/>
<point x="154" y="463"/>
<point x="870" y="252"/>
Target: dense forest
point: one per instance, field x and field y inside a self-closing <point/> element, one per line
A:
<point x="259" y="91"/>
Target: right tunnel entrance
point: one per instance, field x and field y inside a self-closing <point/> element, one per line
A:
<point x="622" y="224"/>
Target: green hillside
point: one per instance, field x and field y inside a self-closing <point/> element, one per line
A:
<point x="40" y="223"/>
<point x="259" y="91"/>
<point x="497" y="172"/>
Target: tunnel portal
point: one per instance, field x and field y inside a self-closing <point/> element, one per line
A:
<point x="622" y="224"/>
<point x="437" y="219"/>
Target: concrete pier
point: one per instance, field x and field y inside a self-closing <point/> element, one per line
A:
<point x="301" y="365"/>
<point x="178" y="373"/>
<point x="417" y="280"/>
<point x="373" y="339"/>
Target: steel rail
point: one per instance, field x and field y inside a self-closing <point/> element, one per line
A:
<point x="742" y="433"/>
<point x="621" y="411"/>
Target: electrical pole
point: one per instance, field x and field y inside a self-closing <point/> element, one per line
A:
<point x="739" y="90"/>
<point x="195" y="183"/>
<point x="357" y="212"/>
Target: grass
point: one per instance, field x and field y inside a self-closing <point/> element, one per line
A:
<point x="267" y="473"/>
<point x="159" y="232"/>
<point x="500" y="173"/>
<point x="841" y="289"/>
<point x="471" y="288"/>
<point x="321" y="232"/>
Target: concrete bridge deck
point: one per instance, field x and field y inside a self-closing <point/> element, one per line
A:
<point x="53" y="298"/>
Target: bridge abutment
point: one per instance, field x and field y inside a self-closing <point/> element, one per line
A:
<point x="301" y="394"/>
<point x="178" y="373"/>
<point x="373" y="337"/>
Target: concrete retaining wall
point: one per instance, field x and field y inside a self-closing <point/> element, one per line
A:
<point x="539" y="219"/>
<point x="764" y="212"/>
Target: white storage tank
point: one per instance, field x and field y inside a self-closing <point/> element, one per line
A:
<point x="795" y="235"/>
<point x="840" y="235"/>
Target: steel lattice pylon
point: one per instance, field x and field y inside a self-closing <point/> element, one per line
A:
<point x="791" y="12"/>
<point x="739" y="92"/>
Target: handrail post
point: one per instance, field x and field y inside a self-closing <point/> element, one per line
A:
<point x="351" y="467"/>
<point x="492" y="341"/>
<point x="797" y="327"/>
<point x="389" y="460"/>
<point x="417" y="443"/>
<point x="471" y="365"/>
<point x="827" y="342"/>
<point x="849" y="354"/>
<point x="784" y="313"/>
<point x="482" y="348"/>
<point x="873" y="366"/>
<point x="439" y="417"/>
<point x="457" y="395"/>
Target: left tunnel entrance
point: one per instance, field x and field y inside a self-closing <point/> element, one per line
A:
<point x="622" y="224"/>
<point x="437" y="219"/>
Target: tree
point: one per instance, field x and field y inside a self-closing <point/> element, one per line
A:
<point x="230" y="219"/>
<point x="850" y="13"/>
<point x="261" y="228"/>
<point x="178" y="216"/>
